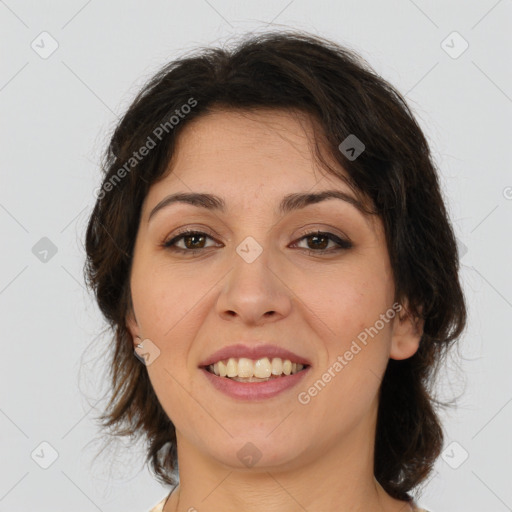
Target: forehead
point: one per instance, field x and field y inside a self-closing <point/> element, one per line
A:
<point x="250" y="162"/>
<point x="266" y="150"/>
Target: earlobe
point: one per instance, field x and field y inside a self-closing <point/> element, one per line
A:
<point x="406" y="337"/>
<point x="133" y="327"/>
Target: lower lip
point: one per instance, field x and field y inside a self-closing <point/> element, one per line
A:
<point x="254" y="390"/>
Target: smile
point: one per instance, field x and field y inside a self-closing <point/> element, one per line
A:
<point x="244" y="369"/>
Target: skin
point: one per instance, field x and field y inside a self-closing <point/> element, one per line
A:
<point x="317" y="456"/>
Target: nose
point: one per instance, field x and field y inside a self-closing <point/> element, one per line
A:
<point x="254" y="293"/>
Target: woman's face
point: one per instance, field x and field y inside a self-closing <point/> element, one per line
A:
<point x="258" y="275"/>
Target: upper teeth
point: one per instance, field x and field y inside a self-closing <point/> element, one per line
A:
<point x="261" y="368"/>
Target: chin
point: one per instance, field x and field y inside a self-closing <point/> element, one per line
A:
<point x="258" y="452"/>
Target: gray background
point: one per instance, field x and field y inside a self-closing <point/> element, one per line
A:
<point x="56" y="114"/>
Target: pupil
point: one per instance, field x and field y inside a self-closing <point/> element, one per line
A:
<point x="316" y="237"/>
<point x="190" y="237"/>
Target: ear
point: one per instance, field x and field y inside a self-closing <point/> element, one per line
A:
<point x="406" y="334"/>
<point x="133" y="327"/>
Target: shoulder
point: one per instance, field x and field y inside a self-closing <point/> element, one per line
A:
<point x="159" y="506"/>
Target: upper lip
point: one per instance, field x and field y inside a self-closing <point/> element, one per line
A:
<point x="253" y="352"/>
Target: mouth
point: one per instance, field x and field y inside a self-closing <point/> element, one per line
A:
<point x="254" y="372"/>
<point x="248" y="370"/>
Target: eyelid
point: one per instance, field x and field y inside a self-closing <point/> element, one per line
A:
<point x="319" y="227"/>
<point x="192" y="228"/>
<point x="183" y="232"/>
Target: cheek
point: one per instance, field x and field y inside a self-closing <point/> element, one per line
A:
<point x="168" y="309"/>
<point x="347" y="316"/>
<point x="164" y="300"/>
<point x="347" y="300"/>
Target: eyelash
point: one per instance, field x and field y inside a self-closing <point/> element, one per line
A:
<point x="343" y="244"/>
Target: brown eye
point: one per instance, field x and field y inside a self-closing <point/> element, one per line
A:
<point x="318" y="241"/>
<point x="193" y="241"/>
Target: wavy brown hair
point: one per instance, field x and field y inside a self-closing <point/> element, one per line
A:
<point x="395" y="174"/>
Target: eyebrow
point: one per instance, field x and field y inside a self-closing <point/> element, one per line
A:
<point x="290" y="202"/>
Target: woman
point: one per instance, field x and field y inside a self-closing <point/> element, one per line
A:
<point x="271" y="242"/>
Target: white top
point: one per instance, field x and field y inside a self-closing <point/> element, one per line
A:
<point x="159" y="506"/>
